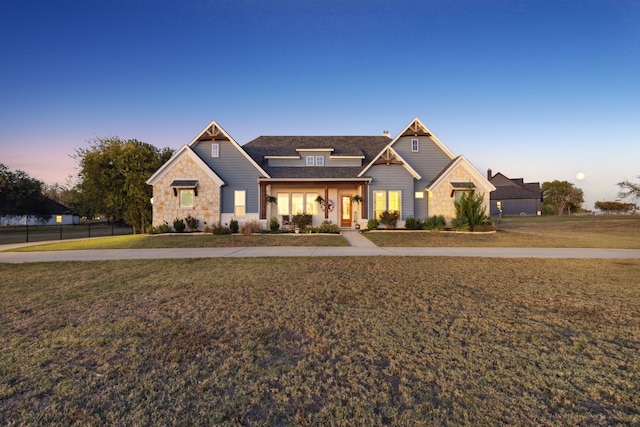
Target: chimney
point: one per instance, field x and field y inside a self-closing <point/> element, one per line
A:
<point x="489" y="175"/>
<point x="386" y="133"/>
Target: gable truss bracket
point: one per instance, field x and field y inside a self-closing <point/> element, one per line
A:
<point x="388" y="158"/>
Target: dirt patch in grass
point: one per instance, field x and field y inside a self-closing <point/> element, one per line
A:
<point x="529" y="232"/>
<point x="330" y="341"/>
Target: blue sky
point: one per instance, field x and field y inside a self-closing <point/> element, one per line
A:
<point x="535" y="89"/>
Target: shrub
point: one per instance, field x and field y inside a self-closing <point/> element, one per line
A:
<point x="413" y="223"/>
<point x="372" y="224"/>
<point x="251" y="227"/>
<point x="234" y="226"/>
<point x="460" y="224"/>
<point x="274" y="224"/>
<point x="179" y="225"/>
<point x="192" y="223"/>
<point x="389" y="219"/>
<point x="328" y="227"/>
<point x="219" y="229"/>
<point x="435" y="222"/>
<point x="162" y="229"/>
<point x="301" y="220"/>
<point x="470" y="208"/>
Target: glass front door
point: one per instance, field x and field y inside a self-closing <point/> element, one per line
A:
<point x="345" y="214"/>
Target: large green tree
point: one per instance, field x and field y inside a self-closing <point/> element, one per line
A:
<point x="615" y="207"/>
<point x="561" y="196"/>
<point x="112" y="179"/>
<point x="21" y="194"/>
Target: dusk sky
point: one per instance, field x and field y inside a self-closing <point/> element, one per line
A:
<point x="540" y="90"/>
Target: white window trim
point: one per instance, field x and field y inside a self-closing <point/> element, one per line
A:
<point x="310" y="161"/>
<point x="193" y="196"/>
<point x="240" y="200"/>
<point x="319" y="160"/>
<point x="415" y="145"/>
<point x="215" y="150"/>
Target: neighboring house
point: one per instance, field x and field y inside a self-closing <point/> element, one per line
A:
<point x="214" y="179"/>
<point x="515" y="196"/>
<point x="58" y="215"/>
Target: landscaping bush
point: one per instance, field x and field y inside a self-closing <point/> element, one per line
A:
<point x="389" y="219"/>
<point x="274" y="224"/>
<point x="250" y="227"/>
<point x="234" y="226"/>
<point x="219" y="229"/>
<point x="460" y="224"/>
<point x="413" y="224"/>
<point x="301" y="221"/>
<point x="470" y="209"/>
<point x="179" y="225"/>
<point x="327" y="227"/>
<point x="372" y="224"/>
<point x="435" y="222"/>
<point x="192" y="223"/>
<point x="161" y="229"/>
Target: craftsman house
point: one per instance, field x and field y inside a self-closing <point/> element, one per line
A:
<point x="514" y="196"/>
<point x="214" y="179"/>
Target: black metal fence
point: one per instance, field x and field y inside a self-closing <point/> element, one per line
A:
<point x="40" y="233"/>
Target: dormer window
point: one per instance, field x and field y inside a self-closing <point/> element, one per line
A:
<point x="319" y="160"/>
<point x="414" y="145"/>
<point x="310" y="161"/>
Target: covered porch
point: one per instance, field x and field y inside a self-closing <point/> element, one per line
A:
<point x="343" y="202"/>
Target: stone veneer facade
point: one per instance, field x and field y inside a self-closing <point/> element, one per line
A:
<point x="440" y="200"/>
<point x="206" y="205"/>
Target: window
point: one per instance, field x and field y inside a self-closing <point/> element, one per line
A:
<point x="239" y="203"/>
<point x="283" y="203"/>
<point x="186" y="197"/>
<point x="297" y="203"/>
<point x="394" y="201"/>
<point x="457" y="195"/>
<point x="319" y="160"/>
<point x="419" y="195"/>
<point x="386" y="201"/>
<point x="414" y="145"/>
<point x="215" y="150"/>
<point x="379" y="203"/>
<point x="311" y="207"/>
<point x="310" y="160"/>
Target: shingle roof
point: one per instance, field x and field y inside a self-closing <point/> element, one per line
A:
<point x="518" y="190"/>
<point x="366" y="146"/>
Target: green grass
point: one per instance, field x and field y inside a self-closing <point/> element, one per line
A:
<point x="191" y="241"/>
<point x="619" y="232"/>
<point x="321" y="341"/>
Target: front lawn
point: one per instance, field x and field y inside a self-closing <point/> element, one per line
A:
<point x="321" y="341"/>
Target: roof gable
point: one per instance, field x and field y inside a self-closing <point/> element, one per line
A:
<point x="185" y="151"/>
<point x="389" y="156"/>
<point x="456" y="163"/>
<point x="414" y="128"/>
<point x="214" y="132"/>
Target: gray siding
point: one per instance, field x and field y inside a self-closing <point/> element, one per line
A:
<point x="428" y="162"/>
<point x="517" y="207"/>
<point x="235" y="170"/>
<point x="392" y="177"/>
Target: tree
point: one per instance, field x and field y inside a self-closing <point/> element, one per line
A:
<point x="615" y="207"/>
<point x="113" y="176"/>
<point x="561" y="196"/>
<point x="470" y="211"/>
<point x="629" y="189"/>
<point x="21" y="194"/>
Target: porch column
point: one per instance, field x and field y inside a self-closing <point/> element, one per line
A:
<point x="263" y="200"/>
<point x="326" y="201"/>
<point x="363" y="193"/>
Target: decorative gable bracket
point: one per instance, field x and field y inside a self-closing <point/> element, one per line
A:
<point x="388" y="157"/>
<point x="213" y="133"/>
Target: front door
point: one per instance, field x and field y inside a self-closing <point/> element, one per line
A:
<point x="345" y="215"/>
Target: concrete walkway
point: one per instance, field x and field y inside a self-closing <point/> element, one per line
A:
<point x="310" y="251"/>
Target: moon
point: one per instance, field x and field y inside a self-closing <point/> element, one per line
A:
<point x="580" y="176"/>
